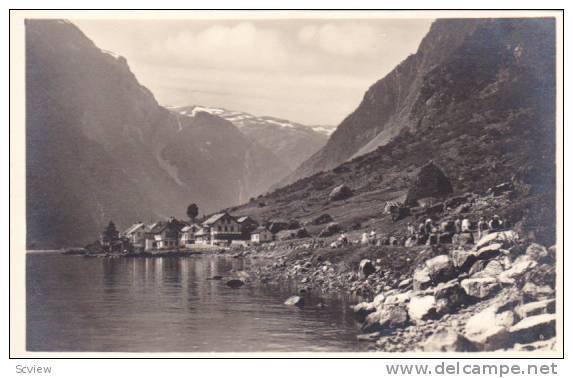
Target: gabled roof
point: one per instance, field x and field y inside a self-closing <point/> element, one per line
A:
<point x="259" y="230"/>
<point x="201" y="232"/>
<point x="190" y="227"/>
<point x="157" y="227"/>
<point x="214" y="218"/>
<point x="134" y="228"/>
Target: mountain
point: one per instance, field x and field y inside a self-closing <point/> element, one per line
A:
<point x="477" y="99"/>
<point x="291" y="142"/>
<point x="469" y="64"/>
<point x="99" y="146"/>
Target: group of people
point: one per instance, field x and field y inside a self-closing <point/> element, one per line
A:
<point x="427" y="231"/>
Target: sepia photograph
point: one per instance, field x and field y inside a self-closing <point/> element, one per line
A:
<point x="269" y="182"/>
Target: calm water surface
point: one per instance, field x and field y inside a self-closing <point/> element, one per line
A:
<point x="170" y="305"/>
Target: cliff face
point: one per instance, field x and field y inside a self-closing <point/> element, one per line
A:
<point x="99" y="147"/>
<point x="485" y="114"/>
<point x="459" y="57"/>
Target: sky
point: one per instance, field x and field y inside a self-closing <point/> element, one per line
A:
<point x="312" y="71"/>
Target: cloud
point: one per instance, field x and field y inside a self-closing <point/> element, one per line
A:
<point x="349" y="39"/>
<point x="240" y="46"/>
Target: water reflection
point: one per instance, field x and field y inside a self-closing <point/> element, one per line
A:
<point x="170" y="304"/>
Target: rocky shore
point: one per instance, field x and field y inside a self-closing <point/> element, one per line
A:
<point x="496" y="295"/>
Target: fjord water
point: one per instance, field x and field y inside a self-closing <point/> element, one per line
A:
<point x="171" y="305"/>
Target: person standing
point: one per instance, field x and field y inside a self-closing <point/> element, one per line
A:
<point x="482" y="227"/>
<point x="466" y="225"/>
<point x="411" y="230"/>
<point x="458" y="224"/>
<point x="495" y="224"/>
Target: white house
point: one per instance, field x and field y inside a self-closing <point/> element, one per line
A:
<point x="261" y="235"/>
<point x="136" y="234"/>
<point x="222" y="228"/>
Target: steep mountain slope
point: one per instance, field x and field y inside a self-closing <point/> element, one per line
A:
<point x="291" y="142"/>
<point x="99" y="147"/>
<point x="479" y="51"/>
<point x="485" y="115"/>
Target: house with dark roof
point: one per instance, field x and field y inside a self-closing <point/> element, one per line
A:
<point x="220" y="229"/>
<point x="163" y="235"/>
<point x="247" y="225"/>
<point x="187" y="235"/>
<point x="261" y="235"/>
<point x="135" y="234"/>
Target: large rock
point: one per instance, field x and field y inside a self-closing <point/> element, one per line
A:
<point x="462" y="259"/>
<point x="520" y="266"/>
<point x="540" y="254"/>
<point x="448" y="341"/>
<point x="546" y="306"/>
<point x="396" y="299"/>
<point x="366" y="268"/>
<point x="489" y="328"/>
<point x="506" y="238"/>
<point x="362" y="310"/>
<point x="450" y="297"/>
<point x="489" y="251"/>
<point x="493" y="268"/>
<point x="235" y="283"/>
<point x="295" y="300"/>
<point x="441" y="268"/>
<point x="422" y="308"/>
<point x="330" y="229"/>
<point x="534" y="328"/>
<point x="339" y="193"/>
<point x="430" y="182"/>
<point x="481" y="288"/>
<point x="322" y="219"/>
<point x="533" y="292"/>
<point x="421" y="279"/>
<point x="387" y="318"/>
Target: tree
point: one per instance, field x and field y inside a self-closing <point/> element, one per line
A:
<point x="192" y="211"/>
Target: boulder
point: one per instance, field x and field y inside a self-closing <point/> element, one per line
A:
<point x="489" y="328"/>
<point x="533" y="328"/>
<point x="405" y="283"/>
<point x="276" y="226"/>
<point x="539" y="254"/>
<point x="235" y="283"/>
<point x="422" y="308"/>
<point x="370" y="337"/>
<point x="506" y="238"/>
<point x="489" y="251"/>
<point x="477" y="267"/>
<point x="450" y="297"/>
<point x="366" y="268"/>
<point x="493" y="268"/>
<point x="295" y="300"/>
<point x="462" y="259"/>
<point x="440" y="268"/>
<point x="362" y="310"/>
<point x="520" y="266"/>
<point x="387" y="318"/>
<point x="430" y="182"/>
<point x="330" y="229"/>
<point x="396" y="299"/>
<point x="448" y="340"/>
<point x="339" y="193"/>
<point x="322" y="219"/>
<point x="533" y="292"/>
<point x="546" y="306"/>
<point x="481" y="288"/>
<point x="421" y="279"/>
